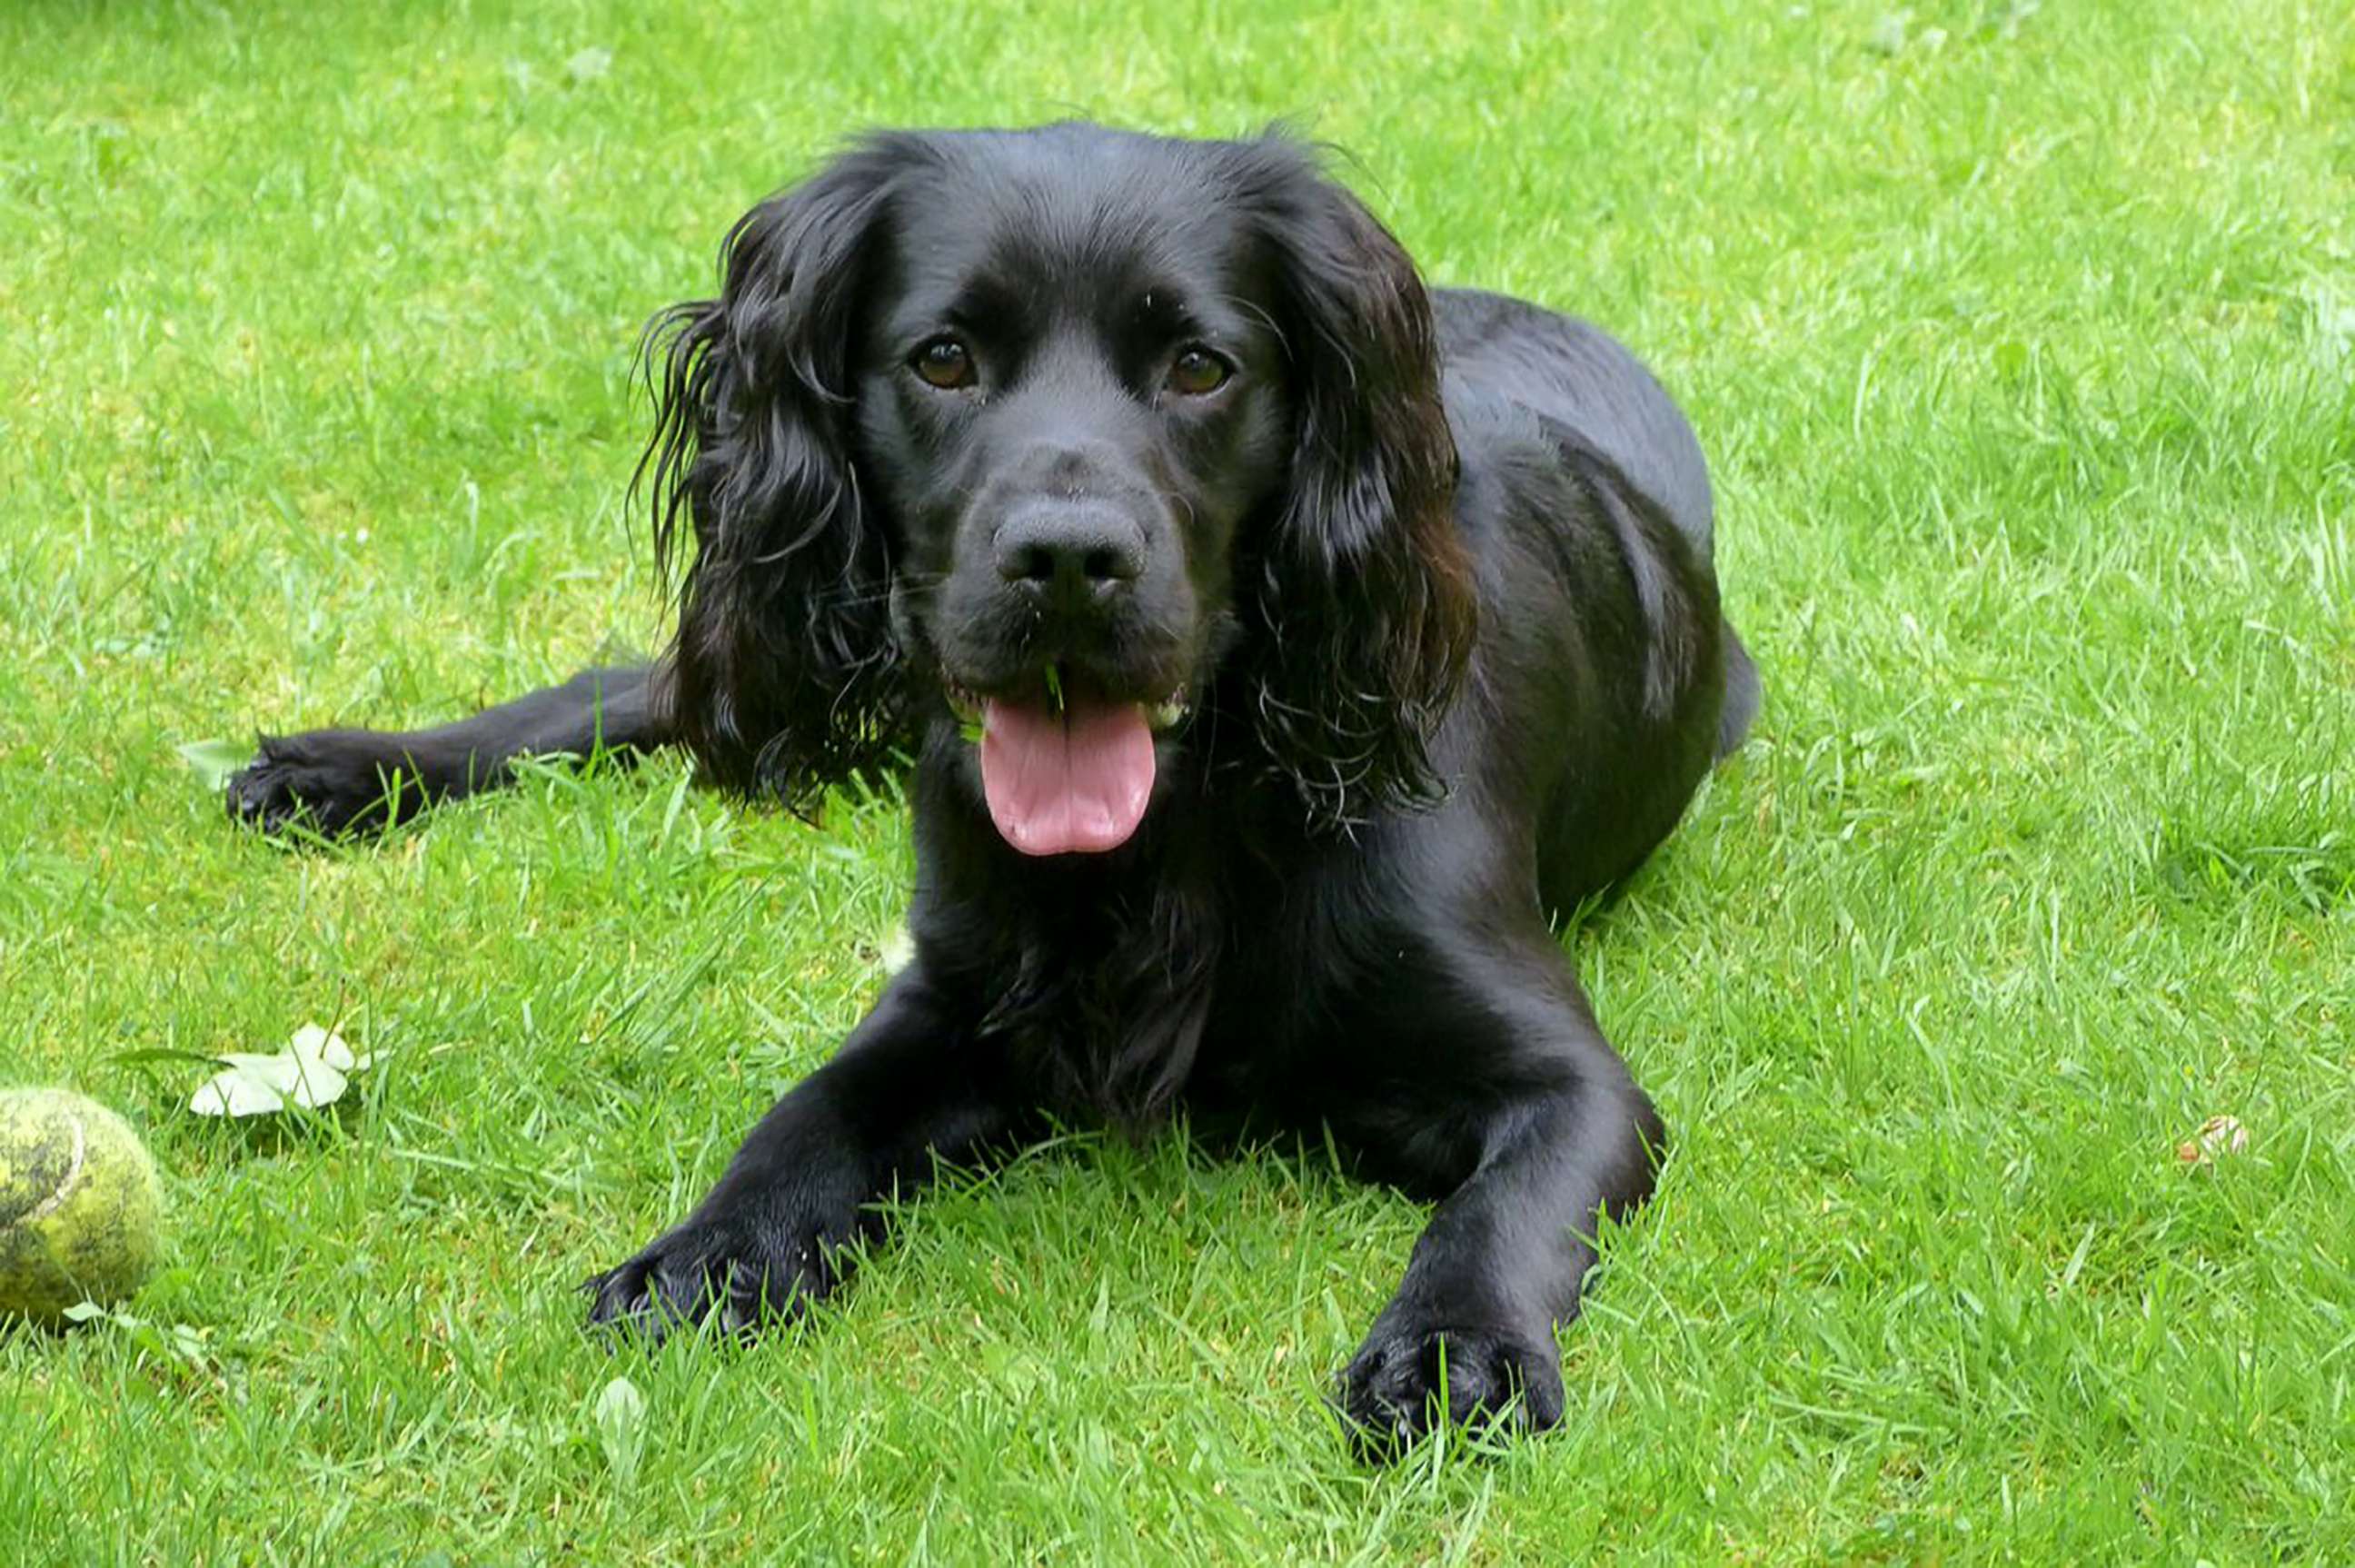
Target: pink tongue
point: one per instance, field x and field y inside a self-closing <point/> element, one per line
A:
<point x="1057" y="783"/>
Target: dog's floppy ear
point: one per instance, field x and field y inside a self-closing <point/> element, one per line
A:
<point x="783" y="678"/>
<point x="1361" y="588"/>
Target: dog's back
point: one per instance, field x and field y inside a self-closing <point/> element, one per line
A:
<point x="1571" y="374"/>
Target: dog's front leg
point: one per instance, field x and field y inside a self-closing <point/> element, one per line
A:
<point x="343" y="781"/>
<point x="910" y="1086"/>
<point x="1470" y="1333"/>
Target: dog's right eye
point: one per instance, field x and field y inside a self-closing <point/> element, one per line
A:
<point x="1197" y="372"/>
<point x="944" y="363"/>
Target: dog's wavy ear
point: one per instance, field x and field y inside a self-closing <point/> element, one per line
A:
<point x="1361" y="588"/>
<point x="783" y="676"/>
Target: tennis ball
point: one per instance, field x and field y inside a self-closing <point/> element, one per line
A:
<point x="81" y="1207"/>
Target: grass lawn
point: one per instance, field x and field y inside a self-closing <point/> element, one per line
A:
<point x="2021" y="341"/>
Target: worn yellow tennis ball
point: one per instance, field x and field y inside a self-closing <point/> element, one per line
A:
<point x="81" y="1207"/>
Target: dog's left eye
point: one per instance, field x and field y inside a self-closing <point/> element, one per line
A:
<point x="944" y="363"/>
<point x="1197" y="372"/>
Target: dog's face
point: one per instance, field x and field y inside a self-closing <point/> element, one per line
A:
<point x="1073" y="399"/>
<point x="1058" y="435"/>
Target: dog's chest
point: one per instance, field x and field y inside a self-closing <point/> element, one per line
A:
<point x="1205" y="979"/>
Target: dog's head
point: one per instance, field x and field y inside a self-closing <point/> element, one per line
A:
<point x="1064" y="435"/>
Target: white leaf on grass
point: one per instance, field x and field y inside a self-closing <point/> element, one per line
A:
<point x="312" y="1072"/>
<point x="621" y="1427"/>
<point x="215" y="761"/>
<point x="253" y="1085"/>
<point x="587" y="66"/>
<point x="313" y="1043"/>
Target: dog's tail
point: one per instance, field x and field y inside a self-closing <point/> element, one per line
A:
<point x="1743" y="693"/>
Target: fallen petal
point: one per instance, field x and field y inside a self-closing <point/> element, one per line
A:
<point x="234" y="1091"/>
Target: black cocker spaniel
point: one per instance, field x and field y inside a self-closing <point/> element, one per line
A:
<point x="1279" y="643"/>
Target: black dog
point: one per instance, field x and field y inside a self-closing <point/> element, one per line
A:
<point x="1280" y="645"/>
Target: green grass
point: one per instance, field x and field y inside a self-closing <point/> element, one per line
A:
<point x="2023" y="355"/>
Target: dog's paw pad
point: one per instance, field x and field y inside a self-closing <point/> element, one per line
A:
<point x="1404" y="1382"/>
<point x="299" y="782"/>
<point x="739" y="1282"/>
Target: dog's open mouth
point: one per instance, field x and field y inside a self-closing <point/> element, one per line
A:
<point x="1066" y="772"/>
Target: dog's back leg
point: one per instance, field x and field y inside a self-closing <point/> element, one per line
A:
<point x="335" y="781"/>
<point x="1742" y="694"/>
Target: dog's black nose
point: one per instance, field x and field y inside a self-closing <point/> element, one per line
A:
<point x="1071" y="555"/>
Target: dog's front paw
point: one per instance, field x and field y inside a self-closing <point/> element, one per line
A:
<point x="1408" y="1377"/>
<point x="327" y="781"/>
<point x="734" y="1265"/>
